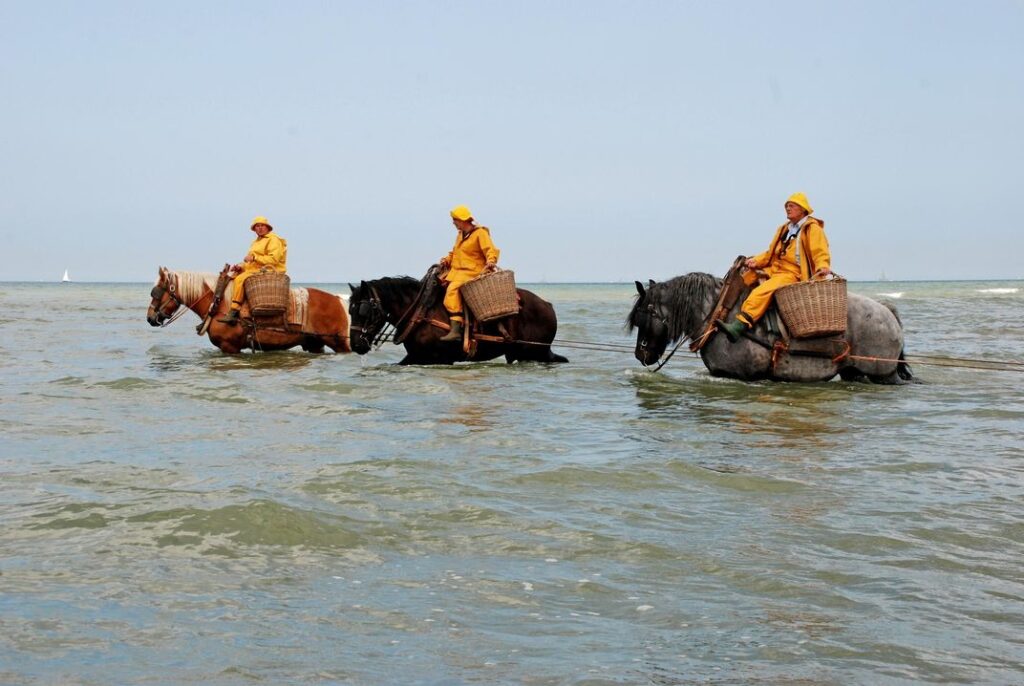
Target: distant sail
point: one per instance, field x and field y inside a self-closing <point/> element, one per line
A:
<point x="66" y="277"/>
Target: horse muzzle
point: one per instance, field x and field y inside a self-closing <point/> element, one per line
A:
<point x="359" y="342"/>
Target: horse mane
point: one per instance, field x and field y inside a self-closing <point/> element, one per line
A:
<point x="191" y="285"/>
<point x="682" y="297"/>
<point x="392" y="287"/>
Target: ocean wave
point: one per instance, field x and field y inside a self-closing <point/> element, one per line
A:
<point x="1001" y="291"/>
<point x="896" y="294"/>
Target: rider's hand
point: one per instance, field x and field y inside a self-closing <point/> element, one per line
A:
<point x="250" y="258"/>
<point x="491" y="267"/>
<point x="823" y="272"/>
<point x="751" y="263"/>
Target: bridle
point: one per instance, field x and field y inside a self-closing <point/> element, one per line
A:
<point x="371" y="312"/>
<point x="171" y="289"/>
<point x="644" y="316"/>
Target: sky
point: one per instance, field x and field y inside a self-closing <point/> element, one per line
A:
<point x="599" y="141"/>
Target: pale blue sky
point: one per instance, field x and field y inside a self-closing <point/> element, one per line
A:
<point x="600" y="141"/>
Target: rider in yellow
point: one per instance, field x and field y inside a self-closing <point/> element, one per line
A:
<point x="798" y="251"/>
<point x="268" y="251"/>
<point x="473" y="254"/>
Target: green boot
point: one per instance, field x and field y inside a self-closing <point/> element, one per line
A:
<point x="230" y="318"/>
<point x="455" y="335"/>
<point x="733" y="330"/>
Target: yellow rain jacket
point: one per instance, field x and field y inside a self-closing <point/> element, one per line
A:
<point x="813" y="251"/>
<point x="268" y="252"/>
<point x="787" y="265"/>
<point x="468" y="258"/>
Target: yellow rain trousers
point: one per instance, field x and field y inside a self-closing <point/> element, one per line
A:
<point x="269" y="252"/>
<point x="468" y="258"/>
<point x="785" y="265"/>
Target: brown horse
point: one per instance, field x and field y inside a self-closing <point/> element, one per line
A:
<point x="395" y="301"/>
<point x="325" y="322"/>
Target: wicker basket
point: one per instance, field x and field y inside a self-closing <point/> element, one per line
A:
<point x="813" y="308"/>
<point x="491" y="296"/>
<point x="267" y="293"/>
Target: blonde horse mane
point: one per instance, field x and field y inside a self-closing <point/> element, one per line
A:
<point x="191" y="285"/>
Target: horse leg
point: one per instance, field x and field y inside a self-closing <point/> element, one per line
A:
<point x="230" y="344"/>
<point x="537" y="353"/>
<point x="312" y="344"/>
<point x="851" y="374"/>
<point x="555" y="357"/>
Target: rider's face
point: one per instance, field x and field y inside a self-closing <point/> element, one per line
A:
<point x="261" y="229"/>
<point x="794" y="212"/>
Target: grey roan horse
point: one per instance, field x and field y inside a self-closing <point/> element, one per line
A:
<point x="667" y="312"/>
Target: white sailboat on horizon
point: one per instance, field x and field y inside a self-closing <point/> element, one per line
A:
<point x="66" y="278"/>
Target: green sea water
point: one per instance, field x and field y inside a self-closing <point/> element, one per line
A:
<point x="173" y="515"/>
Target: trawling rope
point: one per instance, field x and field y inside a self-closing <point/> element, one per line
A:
<point x="958" y="362"/>
<point x="933" y="360"/>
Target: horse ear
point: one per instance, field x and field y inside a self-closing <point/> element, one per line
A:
<point x="352" y="288"/>
<point x="639" y="288"/>
<point x="650" y="282"/>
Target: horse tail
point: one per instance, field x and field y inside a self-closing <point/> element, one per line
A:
<point x="892" y="308"/>
<point x="903" y="368"/>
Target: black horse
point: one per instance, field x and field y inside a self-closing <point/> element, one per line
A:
<point x="415" y="309"/>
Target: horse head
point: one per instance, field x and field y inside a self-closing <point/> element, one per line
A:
<point x="366" y="317"/>
<point x="649" y="317"/>
<point x="164" y="300"/>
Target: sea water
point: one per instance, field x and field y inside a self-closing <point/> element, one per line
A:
<point x="174" y="515"/>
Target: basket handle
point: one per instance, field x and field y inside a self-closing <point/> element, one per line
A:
<point x="831" y="276"/>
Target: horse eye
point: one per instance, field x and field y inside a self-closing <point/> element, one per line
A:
<point x="364" y="309"/>
<point x="155" y="293"/>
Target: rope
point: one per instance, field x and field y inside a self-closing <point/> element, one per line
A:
<point x="1013" y="363"/>
<point x="601" y="346"/>
<point x="957" y="362"/>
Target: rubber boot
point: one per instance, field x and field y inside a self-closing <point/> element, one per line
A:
<point x="230" y="318"/>
<point x="733" y="330"/>
<point x="455" y="335"/>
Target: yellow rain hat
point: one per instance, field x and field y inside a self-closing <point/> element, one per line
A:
<point x="259" y="220"/>
<point x="462" y="213"/>
<point x="801" y="200"/>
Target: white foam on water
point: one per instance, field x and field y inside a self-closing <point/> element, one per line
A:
<point x="998" y="290"/>
<point x="897" y="294"/>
